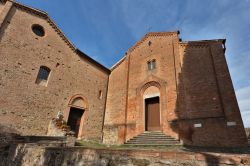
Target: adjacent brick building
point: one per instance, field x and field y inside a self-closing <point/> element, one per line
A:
<point x="183" y="89"/>
<point x="75" y="80"/>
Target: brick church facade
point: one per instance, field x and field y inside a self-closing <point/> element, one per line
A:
<point x="182" y="89"/>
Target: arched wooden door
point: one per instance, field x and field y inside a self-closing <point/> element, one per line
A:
<point x="152" y="114"/>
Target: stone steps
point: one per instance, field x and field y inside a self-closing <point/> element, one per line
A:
<point x="155" y="141"/>
<point x="151" y="145"/>
<point x="152" y="138"/>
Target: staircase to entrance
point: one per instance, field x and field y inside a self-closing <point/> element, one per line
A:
<point x="153" y="138"/>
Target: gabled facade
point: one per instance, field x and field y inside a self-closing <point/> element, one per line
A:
<point x="28" y="103"/>
<point x="196" y="100"/>
<point x="182" y="89"/>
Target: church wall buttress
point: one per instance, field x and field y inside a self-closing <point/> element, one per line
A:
<point x="114" y="123"/>
<point x="207" y="98"/>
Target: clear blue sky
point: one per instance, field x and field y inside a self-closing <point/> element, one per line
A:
<point x="105" y="29"/>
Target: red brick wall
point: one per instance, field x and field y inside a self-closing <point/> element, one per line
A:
<point x="191" y="78"/>
<point x="114" y="124"/>
<point x="27" y="106"/>
<point x="207" y="97"/>
<point x="162" y="48"/>
<point x="4" y="9"/>
<point x="199" y="79"/>
<point x="194" y="85"/>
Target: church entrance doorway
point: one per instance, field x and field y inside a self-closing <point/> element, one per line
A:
<point x="74" y="120"/>
<point x="152" y="114"/>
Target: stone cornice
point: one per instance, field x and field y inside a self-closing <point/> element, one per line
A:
<point x="201" y="43"/>
<point x="194" y="45"/>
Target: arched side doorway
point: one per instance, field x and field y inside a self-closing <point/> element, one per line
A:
<point x="152" y="113"/>
<point x="77" y="114"/>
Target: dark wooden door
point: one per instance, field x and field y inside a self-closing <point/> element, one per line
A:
<point x="74" y="119"/>
<point x="152" y="114"/>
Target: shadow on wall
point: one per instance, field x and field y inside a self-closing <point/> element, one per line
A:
<point x="6" y="22"/>
<point x="206" y="101"/>
<point x="201" y="119"/>
<point x="7" y="135"/>
<point x="7" y="138"/>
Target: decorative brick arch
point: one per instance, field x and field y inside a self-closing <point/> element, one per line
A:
<point x="151" y="81"/>
<point x="140" y="107"/>
<point x="79" y="96"/>
<point x="149" y="84"/>
<point x="80" y="102"/>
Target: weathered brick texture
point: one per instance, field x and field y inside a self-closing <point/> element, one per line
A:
<point x="116" y="105"/>
<point x="195" y="90"/>
<point x="197" y="100"/>
<point x="29" y="107"/>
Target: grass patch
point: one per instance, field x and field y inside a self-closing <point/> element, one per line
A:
<point x="89" y="144"/>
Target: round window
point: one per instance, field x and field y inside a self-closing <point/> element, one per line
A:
<point x="38" y="30"/>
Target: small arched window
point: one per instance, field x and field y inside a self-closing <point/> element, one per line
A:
<point x="43" y="76"/>
<point x="151" y="64"/>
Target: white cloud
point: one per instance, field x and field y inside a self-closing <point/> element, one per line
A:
<point x="239" y="68"/>
<point x="143" y="16"/>
<point x="243" y="96"/>
<point x="246" y="118"/>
